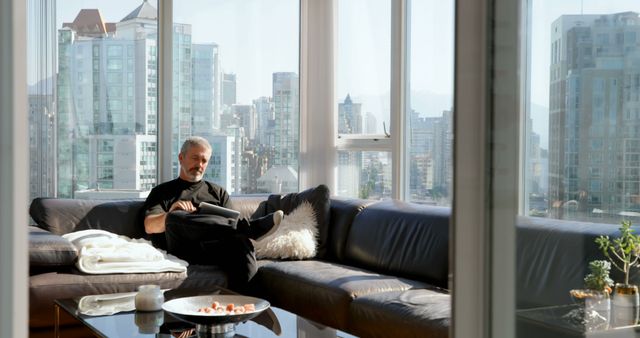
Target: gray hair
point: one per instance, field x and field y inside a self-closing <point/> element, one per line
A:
<point x="194" y="141"/>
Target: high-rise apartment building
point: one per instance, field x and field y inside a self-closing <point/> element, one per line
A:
<point x="106" y="85"/>
<point x="107" y="88"/>
<point x="594" y="106"/>
<point x="286" y="108"/>
<point x="246" y="118"/>
<point x="349" y="162"/>
<point x="431" y="169"/>
<point x="41" y="145"/>
<point x="205" y="100"/>
<point x="264" y="113"/>
<point x="228" y="89"/>
<point x="222" y="156"/>
<point x="349" y="117"/>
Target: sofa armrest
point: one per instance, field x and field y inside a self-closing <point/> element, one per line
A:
<point x="47" y="250"/>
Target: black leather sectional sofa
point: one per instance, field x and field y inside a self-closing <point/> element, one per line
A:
<point x="382" y="268"/>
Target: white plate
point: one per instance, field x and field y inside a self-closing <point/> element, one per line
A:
<point x="187" y="309"/>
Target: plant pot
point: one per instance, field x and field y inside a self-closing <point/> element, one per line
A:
<point x="626" y="303"/>
<point x="595" y="308"/>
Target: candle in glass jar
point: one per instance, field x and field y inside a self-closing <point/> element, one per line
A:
<point x="149" y="298"/>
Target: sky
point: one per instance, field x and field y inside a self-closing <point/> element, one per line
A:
<point x="254" y="35"/>
<point x="257" y="38"/>
<point x="543" y="13"/>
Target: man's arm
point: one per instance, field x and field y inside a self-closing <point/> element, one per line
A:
<point x="154" y="223"/>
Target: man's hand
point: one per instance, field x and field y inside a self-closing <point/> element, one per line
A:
<point x="154" y="224"/>
<point x="182" y="205"/>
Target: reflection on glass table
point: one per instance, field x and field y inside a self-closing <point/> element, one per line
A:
<point x="575" y="320"/>
<point x="113" y="316"/>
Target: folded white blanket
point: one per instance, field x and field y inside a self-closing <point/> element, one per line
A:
<point x="103" y="252"/>
<point x="101" y="305"/>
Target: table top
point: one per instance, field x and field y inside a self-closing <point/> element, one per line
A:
<point x="273" y="322"/>
<point x="569" y="321"/>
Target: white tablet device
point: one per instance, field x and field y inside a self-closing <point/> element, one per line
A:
<point x="213" y="209"/>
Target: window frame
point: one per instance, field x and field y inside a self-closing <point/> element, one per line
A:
<point x="318" y="47"/>
<point x="396" y="138"/>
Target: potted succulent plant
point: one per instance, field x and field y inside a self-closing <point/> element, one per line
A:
<point x="594" y="300"/>
<point x="598" y="279"/>
<point x="623" y="253"/>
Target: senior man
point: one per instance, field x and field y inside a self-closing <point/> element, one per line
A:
<point x="173" y="221"/>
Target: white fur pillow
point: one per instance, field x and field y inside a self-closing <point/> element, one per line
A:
<point x="295" y="238"/>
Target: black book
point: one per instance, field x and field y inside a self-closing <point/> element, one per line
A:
<point x="208" y="208"/>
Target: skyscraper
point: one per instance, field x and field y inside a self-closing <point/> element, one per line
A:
<point x="264" y="112"/>
<point x="41" y="145"/>
<point x="246" y="118"/>
<point x="594" y="125"/>
<point x="105" y="86"/>
<point x="205" y="100"/>
<point x="107" y="95"/>
<point x="349" y="117"/>
<point x="286" y="99"/>
<point x="431" y="157"/>
<point x="349" y="162"/>
<point x="228" y="89"/>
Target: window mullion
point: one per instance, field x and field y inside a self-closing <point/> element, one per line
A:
<point x="165" y="90"/>
<point x="398" y="99"/>
<point x="317" y="127"/>
<point x="364" y="144"/>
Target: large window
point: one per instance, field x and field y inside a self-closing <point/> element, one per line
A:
<point x="581" y="145"/>
<point x="362" y="91"/>
<point x="583" y="125"/>
<point x="368" y="117"/>
<point x="429" y="114"/>
<point x="236" y="83"/>
<point x="90" y="108"/>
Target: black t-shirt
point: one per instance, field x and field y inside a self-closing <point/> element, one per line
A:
<point x="164" y="195"/>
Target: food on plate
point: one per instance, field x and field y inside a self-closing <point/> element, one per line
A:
<point x="228" y="309"/>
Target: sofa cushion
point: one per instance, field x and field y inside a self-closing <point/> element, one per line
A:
<point x="343" y="211"/>
<point x="319" y="199"/>
<point x="49" y="250"/>
<point x="332" y="285"/>
<point x="249" y="206"/>
<point x="63" y="215"/>
<point x="294" y="238"/>
<point x="402" y="239"/>
<point x="410" y="313"/>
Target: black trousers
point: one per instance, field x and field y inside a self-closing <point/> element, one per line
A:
<point x="204" y="239"/>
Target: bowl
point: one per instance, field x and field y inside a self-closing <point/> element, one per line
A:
<point x="186" y="309"/>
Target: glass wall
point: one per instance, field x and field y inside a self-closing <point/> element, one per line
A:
<point x="92" y="99"/>
<point x="429" y="113"/>
<point x="581" y="147"/>
<point x="583" y="129"/>
<point x="362" y="78"/>
<point x="236" y="83"/>
<point x="365" y="111"/>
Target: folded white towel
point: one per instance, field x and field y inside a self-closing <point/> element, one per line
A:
<point x="103" y="305"/>
<point x="103" y="252"/>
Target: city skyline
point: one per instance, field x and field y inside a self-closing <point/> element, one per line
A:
<point x="246" y="42"/>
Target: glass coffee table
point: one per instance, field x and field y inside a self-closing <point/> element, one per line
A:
<point x="564" y="321"/>
<point x="125" y="322"/>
